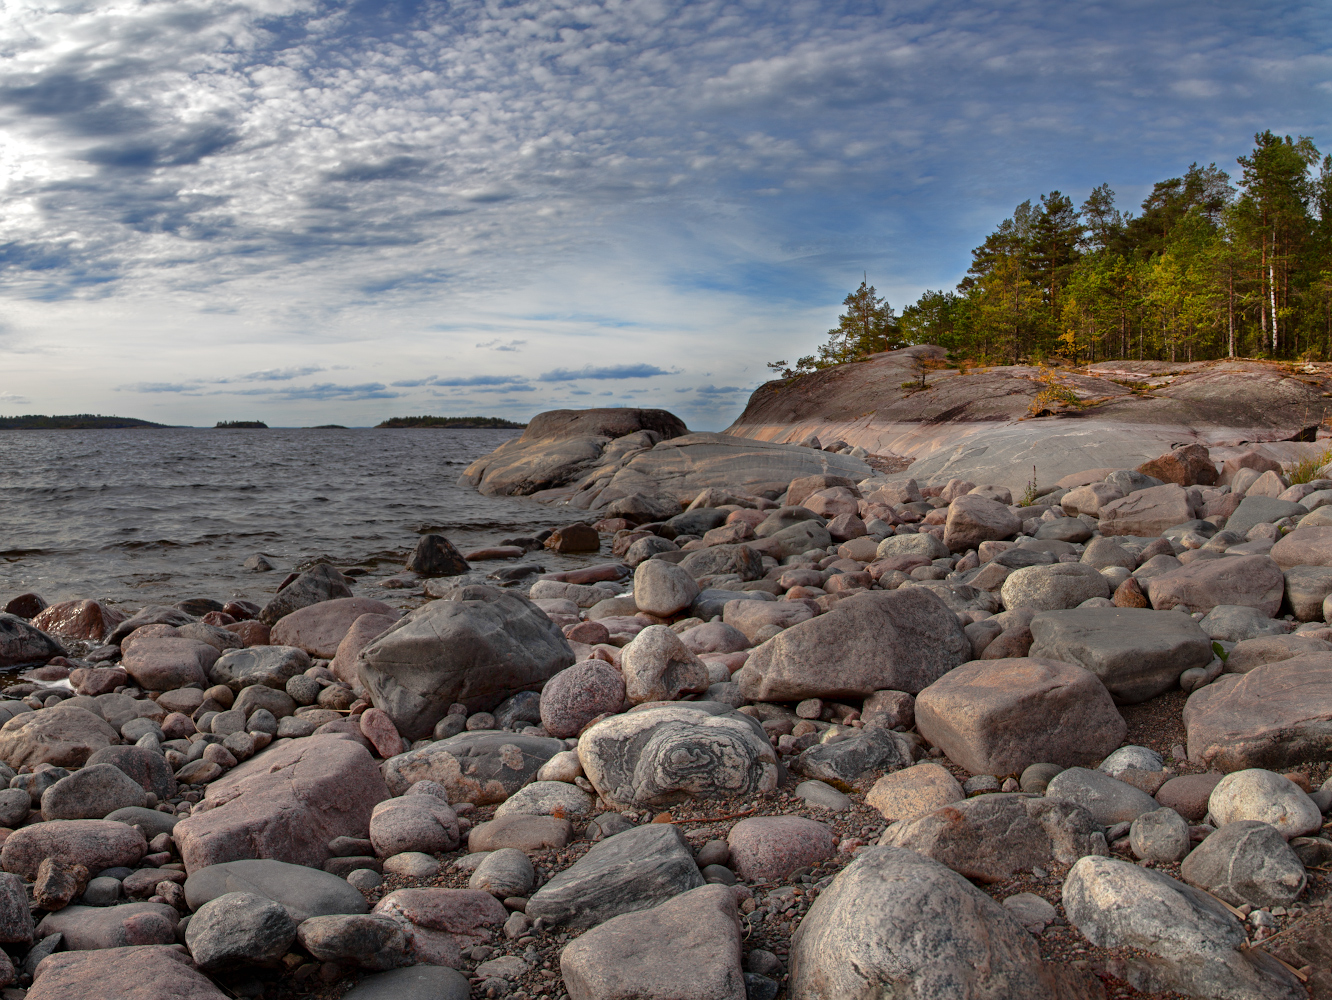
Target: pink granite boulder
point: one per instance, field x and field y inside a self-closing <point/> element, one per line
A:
<point x="769" y="848"/>
<point x="320" y="628"/>
<point x="439" y="923"/>
<point x="151" y="972"/>
<point x="168" y="662"/>
<point x="363" y="631"/>
<point x="94" y="843"/>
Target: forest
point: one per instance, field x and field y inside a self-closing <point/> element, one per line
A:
<point x="1212" y="266"/>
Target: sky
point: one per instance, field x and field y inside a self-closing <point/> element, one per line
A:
<point x="306" y="212"/>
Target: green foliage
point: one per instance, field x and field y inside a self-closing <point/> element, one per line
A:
<point x="1030" y="495"/>
<point x="867" y="327"/>
<point x="75" y="421"/>
<point x="1306" y="469"/>
<point x="241" y="425"/>
<point x="457" y="422"/>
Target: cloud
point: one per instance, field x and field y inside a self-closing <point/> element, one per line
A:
<point x="608" y="372"/>
<point x="13" y="399"/>
<point x="500" y="345"/>
<point x="324" y="391"/>
<point x="712" y="390"/>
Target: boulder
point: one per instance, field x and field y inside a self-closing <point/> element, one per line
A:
<point x="663" y="589"/>
<point x="770" y="848"/>
<point x="1235" y="623"/>
<point x="902" y="640"/>
<point x="97" y="844"/>
<point x="1182" y="939"/>
<point x="1253" y="653"/>
<point x="523" y="833"/>
<point x="634" y="870"/>
<point x="999" y="716"/>
<point x="1108" y="799"/>
<point x="657" y="667"/>
<point x="1254" y="581"/>
<point x="22" y="644"/>
<point x="304" y="892"/>
<point x="136" y="972"/>
<point x="1090" y="499"/>
<point x="86" y="620"/>
<point x="481" y="767"/>
<point x="974" y="519"/>
<point x="1277" y="715"/>
<point x="239" y="928"/>
<point x="1160" y="835"/>
<point x="715" y="637"/>
<point x="362" y="632"/>
<point x="1146" y="512"/>
<point x="1186" y="465"/>
<point x="478" y="645"/>
<point x="365" y="941"/>
<point x="318" y="583"/>
<point x="1135" y="652"/>
<point x="92" y="792"/>
<point x="659" y="756"/>
<point x="561" y="799"/>
<point x="439" y="923"/>
<point x="741" y="560"/>
<point x="1246" y="862"/>
<point x="1306" y="589"/>
<point x="65" y="735"/>
<point x="575" y="696"/>
<point x="914" y="791"/>
<point x="576" y="537"/>
<point x="895" y="921"/>
<point x="639" y="508"/>
<point x="504" y="873"/>
<point x="856" y="760"/>
<point x="286" y="803"/>
<point x="687" y="948"/>
<point x="991" y="837"/>
<point x="150" y="615"/>
<point x="271" y="666"/>
<point x="1256" y="794"/>
<point x="1053" y="587"/>
<point x="922" y="544"/>
<point x="320" y="628"/>
<point x="419" y="823"/>
<point x="166" y="663"/>
<point x="759" y="621"/>
<point x="1257" y="509"/>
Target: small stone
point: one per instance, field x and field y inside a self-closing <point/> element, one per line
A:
<point x="914" y="791"/>
<point x="366" y="879"/>
<point x="823" y="795"/>
<point x="505" y="872"/>
<point x="411" y="864"/>
<point x="1031" y="911"/>
<point x="980" y="783"/>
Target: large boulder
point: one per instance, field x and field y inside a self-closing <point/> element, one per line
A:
<point x="1275" y="716"/>
<point x="147" y="767"/>
<point x="286" y="803"/>
<point x="974" y="519"/>
<point x="480" y="767"/>
<point x="320" y="628"/>
<point x="1181" y="939"/>
<point x="319" y="583"/>
<point x="1137" y="653"/>
<point x="477" y="645"/>
<point x="658" y="667"/>
<point x="634" y="870"/>
<point x="23" y="644"/>
<point x="895" y="923"/>
<point x="87" y="620"/>
<point x="168" y="662"/>
<point x="659" y="756"/>
<point x="992" y="837"/>
<point x="1147" y="512"/>
<point x="271" y="666"/>
<point x="1053" y="587"/>
<point x="758" y="621"/>
<point x="136" y="972"/>
<point x="1246" y="862"/>
<point x="1252" y="581"/>
<point x="64" y="735"/>
<point x="901" y="640"/>
<point x="1000" y="716"/>
<point x="363" y="631"/>
<point x="96" y="844"/>
<point x="687" y="948"/>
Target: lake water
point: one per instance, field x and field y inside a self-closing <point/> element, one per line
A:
<point x="154" y="516"/>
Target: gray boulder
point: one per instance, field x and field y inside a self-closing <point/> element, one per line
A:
<point x="721" y="559"/>
<point x="631" y="871"/>
<point x="670" y="754"/>
<point x="1136" y="652"/>
<point x="1237" y="622"/>
<point x="1108" y="799"/>
<point x="1183" y="939"/>
<point x="1246" y="862"/>
<point x="503" y="873"/>
<point x="1051" y="588"/>
<point x="271" y="666"/>
<point x="477" y="645"/>
<point x="363" y="940"/>
<point x="1306" y="589"/>
<point x="148" y="767"/>
<point x="91" y="793"/>
<point x="912" y="544"/>
<point x="239" y="928"/>
<point x="1262" y="510"/>
<point x="1159" y="835"/>
<point x="21" y="643"/>
<point x="894" y="923"/>
<point x="901" y="640"/>
<point x="318" y="583"/>
<point x="482" y="767"/>
<point x="662" y="588"/>
<point x="855" y="762"/>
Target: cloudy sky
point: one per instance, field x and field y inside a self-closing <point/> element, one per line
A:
<point x="309" y="212"/>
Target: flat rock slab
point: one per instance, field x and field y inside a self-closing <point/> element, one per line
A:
<point x="1137" y="653"/>
<point x="1275" y="716"/>
<point x="1253" y="581"/>
<point x="136" y="973"/>
<point x="630" y="871"/>
<point x="305" y="892"/>
<point x="482" y="767"/>
<point x="896" y="921"/>
<point x="688" y="948"/>
<point x="285" y="803"/>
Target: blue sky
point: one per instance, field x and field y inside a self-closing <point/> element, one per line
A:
<point x="306" y="212"/>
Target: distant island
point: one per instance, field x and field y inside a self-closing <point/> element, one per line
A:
<point x="327" y="427"/>
<point x="72" y="422"/>
<point x="245" y="425"/>
<point x="461" y="422"/>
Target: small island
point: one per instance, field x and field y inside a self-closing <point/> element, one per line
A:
<point x="243" y="425"/>
<point x="72" y="422"/>
<point x="327" y="427"/>
<point x="454" y="422"/>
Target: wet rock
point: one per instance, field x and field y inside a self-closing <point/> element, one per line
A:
<point x="304" y="892"/>
<point x="129" y="972"/>
<point x="576" y="537"/>
<point x="91" y="793"/>
<point x="630" y="871"/>
<point x="239" y="928"/>
<point x="1256" y="794"/>
<point x="1136" y="653"/>
<point x="1246" y="862"/>
<point x="1184" y="940"/>
<point x="657" y="667"/>
<point x="25" y="606"/>
<point x="320" y="628"/>
<point x="86" y="620"/>
<point x="990" y="837"/>
<point x="1109" y="800"/>
<point x="1253" y="581"/>
<point x="895" y="918"/>
<point x="854" y="762"/>
<point x="21" y="643"/>
<point x="65" y="736"/>
<point x="669" y="754"/>
<point x="687" y="948"/>
<point x="366" y="941"/>
<point x="96" y="844"/>
<point x="481" y="767"/>
<point x="271" y="666"/>
<point x="93" y="928"/>
<point x="575" y="696"/>
<point x="319" y="583"/>
<point x="286" y="803"/>
<point x="770" y="848"/>
<point x="475" y="646"/>
<point x="999" y="716"/>
<point x="413" y="823"/>
<point x="914" y="791"/>
<point x="901" y="640"/>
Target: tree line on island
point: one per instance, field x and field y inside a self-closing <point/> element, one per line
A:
<point x="1211" y="268"/>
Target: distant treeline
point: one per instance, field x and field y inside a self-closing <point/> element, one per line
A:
<point x="1208" y="269"/>
<point x="449" y="422"/>
<point x="245" y="425"/>
<point x="72" y="422"/>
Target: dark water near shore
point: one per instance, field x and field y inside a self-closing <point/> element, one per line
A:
<point x="142" y="516"/>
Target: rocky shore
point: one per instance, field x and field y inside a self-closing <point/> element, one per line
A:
<point x="833" y="735"/>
